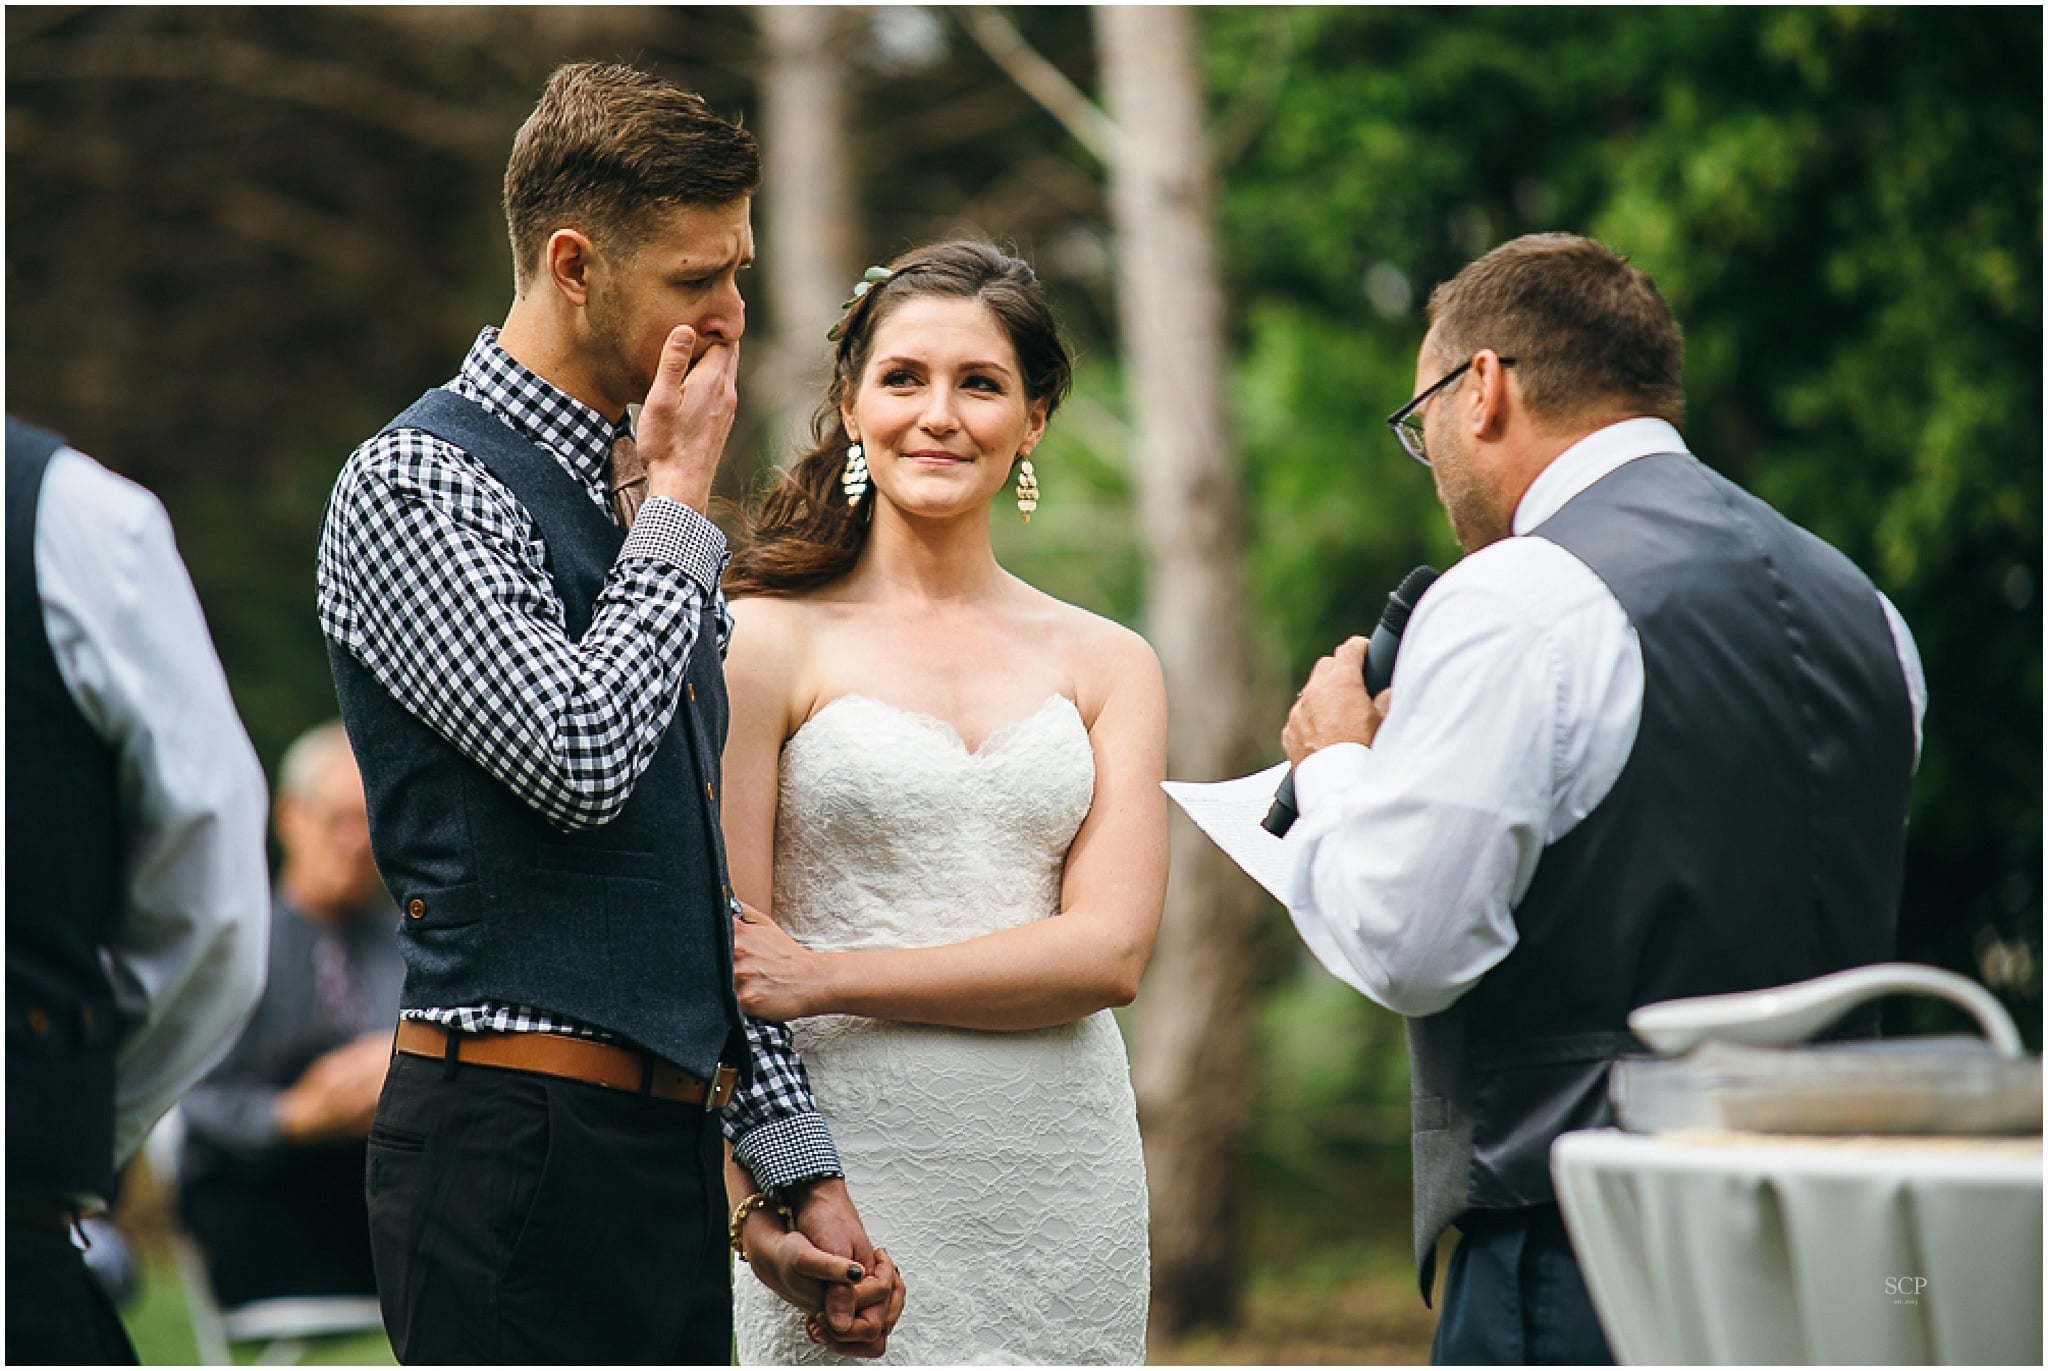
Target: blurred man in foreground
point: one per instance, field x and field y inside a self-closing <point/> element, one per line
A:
<point x="135" y="868"/>
<point x="271" y="1181"/>
<point x="1647" y="740"/>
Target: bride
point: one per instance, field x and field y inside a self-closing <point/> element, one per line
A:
<point x="943" y="812"/>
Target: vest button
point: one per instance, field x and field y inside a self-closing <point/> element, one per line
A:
<point x="691" y="691"/>
<point x="711" y="792"/>
<point x="417" y="909"/>
<point x="39" y="1021"/>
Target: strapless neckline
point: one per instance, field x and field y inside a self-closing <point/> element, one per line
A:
<point x="890" y="831"/>
<point x="991" y="744"/>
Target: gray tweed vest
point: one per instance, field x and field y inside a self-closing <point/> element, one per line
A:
<point x="1754" y="837"/>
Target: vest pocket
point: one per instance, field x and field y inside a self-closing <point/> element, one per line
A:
<point x="432" y="910"/>
<point x="597" y="861"/>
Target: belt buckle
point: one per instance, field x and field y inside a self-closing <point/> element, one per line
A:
<point x="723" y="1079"/>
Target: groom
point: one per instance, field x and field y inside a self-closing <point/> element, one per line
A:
<point x="524" y="621"/>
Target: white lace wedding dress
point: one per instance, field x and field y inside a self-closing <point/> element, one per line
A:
<point x="1000" y="1170"/>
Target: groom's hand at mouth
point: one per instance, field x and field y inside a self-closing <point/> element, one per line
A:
<point x="857" y="1317"/>
<point x="687" y="417"/>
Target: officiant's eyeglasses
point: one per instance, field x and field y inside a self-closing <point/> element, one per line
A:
<point x="1406" y="422"/>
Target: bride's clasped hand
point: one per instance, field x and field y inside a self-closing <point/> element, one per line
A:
<point x="778" y="977"/>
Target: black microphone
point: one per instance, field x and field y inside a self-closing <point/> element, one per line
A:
<point x="1379" y="674"/>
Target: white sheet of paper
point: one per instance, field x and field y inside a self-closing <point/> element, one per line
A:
<point x="1229" y="812"/>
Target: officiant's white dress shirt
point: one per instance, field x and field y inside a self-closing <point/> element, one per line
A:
<point x="1516" y="700"/>
<point x="185" y="953"/>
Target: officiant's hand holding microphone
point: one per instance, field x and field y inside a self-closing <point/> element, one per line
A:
<point x="1334" y="707"/>
<point x="1347" y="694"/>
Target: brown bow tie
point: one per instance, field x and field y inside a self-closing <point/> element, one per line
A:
<point x="628" y="481"/>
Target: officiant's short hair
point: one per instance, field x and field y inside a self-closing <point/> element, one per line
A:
<point x="605" y="148"/>
<point x="1587" y="328"/>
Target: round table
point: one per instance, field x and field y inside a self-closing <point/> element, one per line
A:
<point x="1746" y="1248"/>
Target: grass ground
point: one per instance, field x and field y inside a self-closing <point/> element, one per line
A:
<point x="1340" y="1309"/>
<point x="1328" y="1277"/>
<point x="1337" y="1301"/>
<point x="162" y="1329"/>
<point x="158" y="1320"/>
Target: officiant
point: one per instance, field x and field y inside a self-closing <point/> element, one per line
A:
<point x="1648" y="739"/>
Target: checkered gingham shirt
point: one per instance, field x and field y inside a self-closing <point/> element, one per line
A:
<point x="434" y="577"/>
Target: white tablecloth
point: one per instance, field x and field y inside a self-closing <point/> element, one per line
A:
<point x="1746" y="1248"/>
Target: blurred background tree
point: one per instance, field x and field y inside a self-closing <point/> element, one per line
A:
<point x="239" y="238"/>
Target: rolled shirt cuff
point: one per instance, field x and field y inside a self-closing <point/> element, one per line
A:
<point x="1330" y="771"/>
<point x="788" y="1151"/>
<point x="670" y="531"/>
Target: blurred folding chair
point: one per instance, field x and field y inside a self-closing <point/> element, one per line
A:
<point x="285" y="1325"/>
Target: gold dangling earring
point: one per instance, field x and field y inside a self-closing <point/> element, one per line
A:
<point x="1027" y="488"/>
<point x="854" y="479"/>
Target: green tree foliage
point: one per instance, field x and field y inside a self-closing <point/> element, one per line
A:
<point x="1843" y="207"/>
<point x="240" y="237"/>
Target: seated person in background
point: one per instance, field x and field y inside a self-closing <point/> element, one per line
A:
<point x="271" y="1178"/>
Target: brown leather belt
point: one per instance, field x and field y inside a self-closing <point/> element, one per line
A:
<point x="575" y="1059"/>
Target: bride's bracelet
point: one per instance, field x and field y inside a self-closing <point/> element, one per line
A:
<point x="759" y="1199"/>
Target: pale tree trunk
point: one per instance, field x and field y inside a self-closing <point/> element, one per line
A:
<point x="808" y="210"/>
<point x="1193" y="1072"/>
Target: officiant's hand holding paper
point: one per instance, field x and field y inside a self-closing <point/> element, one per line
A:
<point x="1332" y="708"/>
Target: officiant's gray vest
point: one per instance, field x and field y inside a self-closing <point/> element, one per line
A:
<point x="1754" y="837"/>
<point x="624" y="926"/>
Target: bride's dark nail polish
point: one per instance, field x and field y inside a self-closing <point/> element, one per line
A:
<point x="854" y="1273"/>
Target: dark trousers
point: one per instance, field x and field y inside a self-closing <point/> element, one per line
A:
<point x="290" y="1222"/>
<point x="58" y="1314"/>
<point x="521" y="1218"/>
<point x="1515" y="1296"/>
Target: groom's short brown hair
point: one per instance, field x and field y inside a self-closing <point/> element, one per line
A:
<point x="605" y="147"/>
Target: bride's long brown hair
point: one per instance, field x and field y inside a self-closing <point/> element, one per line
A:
<point x="801" y="533"/>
